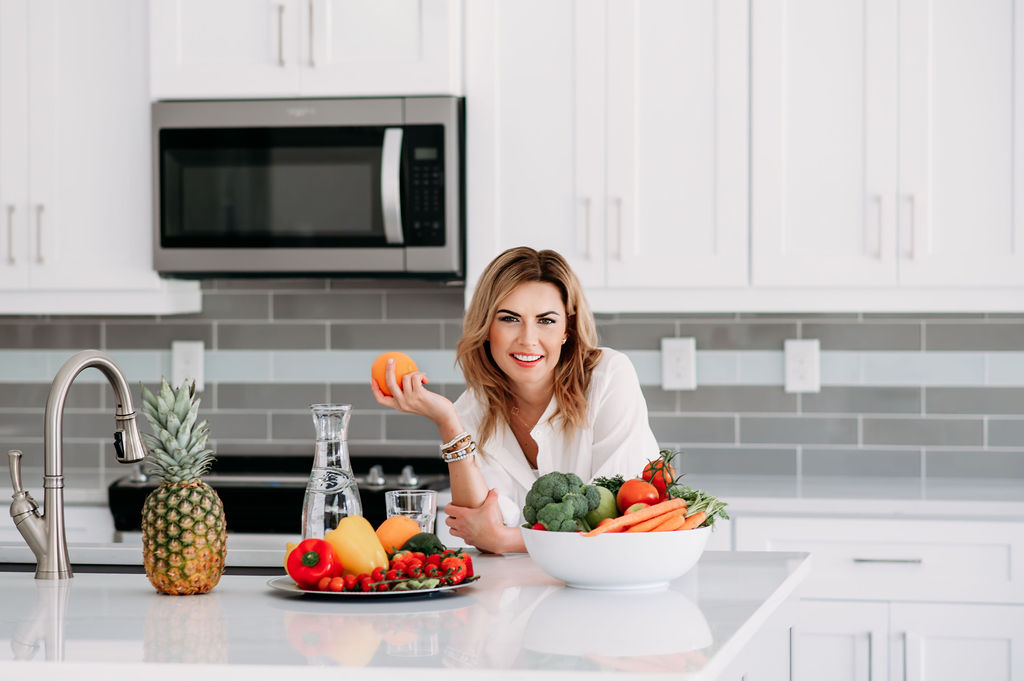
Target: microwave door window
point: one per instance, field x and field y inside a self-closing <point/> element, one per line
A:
<point x="287" y="187"/>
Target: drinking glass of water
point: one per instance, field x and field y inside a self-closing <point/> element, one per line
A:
<point x="418" y="504"/>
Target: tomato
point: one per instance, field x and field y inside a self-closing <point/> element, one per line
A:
<point x="636" y="491"/>
<point x="659" y="472"/>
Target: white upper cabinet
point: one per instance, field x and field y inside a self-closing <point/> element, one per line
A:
<point x="75" y="195"/>
<point x="884" y="142"/>
<point x="613" y="132"/>
<point x="287" y="48"/>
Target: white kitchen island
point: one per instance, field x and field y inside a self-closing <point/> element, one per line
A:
<point x="728" y="616"/>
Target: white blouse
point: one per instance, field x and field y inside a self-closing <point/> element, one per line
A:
<point x="616" y="438"/>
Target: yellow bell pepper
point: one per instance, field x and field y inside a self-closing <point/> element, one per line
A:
<point x="356" y="545"/>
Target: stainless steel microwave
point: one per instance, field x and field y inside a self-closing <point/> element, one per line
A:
<point x="309" y="186"/>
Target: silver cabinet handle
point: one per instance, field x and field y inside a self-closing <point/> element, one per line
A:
<point x="39" y="233"/>
<point x="10" y="234"/>
<point x="911" y="201"/>
<point x="390" y="199"/>
<point x="312" y="60"/>
<point x="899" y="561"/>
<point x="280" y="36"/>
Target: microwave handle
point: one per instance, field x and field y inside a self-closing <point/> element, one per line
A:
<point x="390" y="198"/>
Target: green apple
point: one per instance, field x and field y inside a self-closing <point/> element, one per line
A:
<point x="605" y="509"/>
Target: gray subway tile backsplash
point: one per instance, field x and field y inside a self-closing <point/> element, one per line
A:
<point x="260" y="336"/>
<point x="860" y="336"/>
<point x="981" y="336"/>
<point x="974" y="401"/>
<point x="40" y="334"/>
<point x="147" y="334"/>
<point x="736" y="398"/>
<point x="798" y="430"/>
<point x="861" y="462"/>
<point x="923" y="431"/>
<point x="862" y="400"/>
<point x="384" y="336"/>
<point x="974" y="464"/>
<point x="1006" y="433"/>
<point x="327" y="305"/>
<point x="852" y="430"/>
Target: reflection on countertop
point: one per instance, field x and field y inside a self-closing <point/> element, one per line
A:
<point x="514" y="619"/>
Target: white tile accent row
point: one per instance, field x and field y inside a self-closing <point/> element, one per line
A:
<point x="714" y="367"/>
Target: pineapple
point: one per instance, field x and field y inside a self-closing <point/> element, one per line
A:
<point x="184" y="535"/>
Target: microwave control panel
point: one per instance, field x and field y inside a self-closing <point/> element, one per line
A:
<point x="424" y="221"/>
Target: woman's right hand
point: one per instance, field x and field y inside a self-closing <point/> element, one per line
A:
<point x="412" y="396"/>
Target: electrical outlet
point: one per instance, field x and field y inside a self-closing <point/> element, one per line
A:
<point x="803" y="366"/>
<point x="187" y="363"/>
<point x="679" y="363"/>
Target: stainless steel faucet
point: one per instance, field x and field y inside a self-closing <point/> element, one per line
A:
<point x="44" y="533"/>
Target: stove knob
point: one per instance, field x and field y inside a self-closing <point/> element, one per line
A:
<point x="375" y="476"/>
<point x="407" y="478"/>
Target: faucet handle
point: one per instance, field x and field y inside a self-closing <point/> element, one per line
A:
<point x="14" y="463"/>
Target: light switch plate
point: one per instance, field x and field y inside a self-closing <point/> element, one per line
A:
<point x="679" y="363"/>
<point x="187" y="363"/>
<point x="803" y="365"/>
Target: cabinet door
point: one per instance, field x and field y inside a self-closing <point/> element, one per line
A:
<point x="677" y="143"/>
<point x="824" y="142"/>
<point x="14" y="224"/>
<point x="90" y="191"/>
<point x="961" y="102"/>
<point x="535" y="121"/>
<point x="840" y="640"/>
<point x="943" y="641"/>
<point x="227" y="48"/>
<point x="381" y="47"/>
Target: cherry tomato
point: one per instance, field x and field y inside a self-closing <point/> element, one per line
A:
<point x="636" y="491"/>
<point x="659" y="473"/>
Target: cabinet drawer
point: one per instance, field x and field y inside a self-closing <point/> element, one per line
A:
<point x="897" y="559"/>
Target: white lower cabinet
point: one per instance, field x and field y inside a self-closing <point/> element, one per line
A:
<point x="902" y="599"/>
<point x="840" y="640"/>
<point x="956" y="641"/>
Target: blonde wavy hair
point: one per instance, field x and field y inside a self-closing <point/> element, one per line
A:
<point x="579" y="353"/>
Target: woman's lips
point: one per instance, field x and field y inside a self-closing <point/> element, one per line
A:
<point x="526" y="360"/>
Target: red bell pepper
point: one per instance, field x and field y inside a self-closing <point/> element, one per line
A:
<point x="310" y="561"/>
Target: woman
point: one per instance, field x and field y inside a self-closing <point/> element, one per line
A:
<point x="540" y="397"/>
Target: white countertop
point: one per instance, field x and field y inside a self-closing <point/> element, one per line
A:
<point x="515" y="622"/>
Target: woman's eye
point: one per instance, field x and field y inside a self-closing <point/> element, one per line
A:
<point x="508" y="318"/>
<point x="545" y="320"/>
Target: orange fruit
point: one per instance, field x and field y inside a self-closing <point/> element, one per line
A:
<point x="403" y="365"/>
<point x="395" y="531"/>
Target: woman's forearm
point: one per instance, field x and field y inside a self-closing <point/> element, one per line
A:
<point x="467" y="483"/>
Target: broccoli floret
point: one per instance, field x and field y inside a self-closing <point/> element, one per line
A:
<point x="548" y="489"/>
<point x="558" y="517"/>
<point x="579" y="503"/>
<point x="569" y="496"/>
<point x="593" y="497"/>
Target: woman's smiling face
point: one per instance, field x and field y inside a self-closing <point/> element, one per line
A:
<point x="526" y="333"/>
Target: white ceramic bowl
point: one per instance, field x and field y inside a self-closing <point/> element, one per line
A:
<point x="616" y="560"/>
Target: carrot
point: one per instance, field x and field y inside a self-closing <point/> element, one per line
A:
<point x="694" y="520"/>
<point x="673" y="523"/>
<point x="656" y="520"/>
<point x="636" y="517"/>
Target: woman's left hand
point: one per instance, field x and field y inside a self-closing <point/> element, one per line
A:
<point x="483" y="527"/>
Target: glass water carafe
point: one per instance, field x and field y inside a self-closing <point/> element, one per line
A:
<point x="331" y="493"/>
